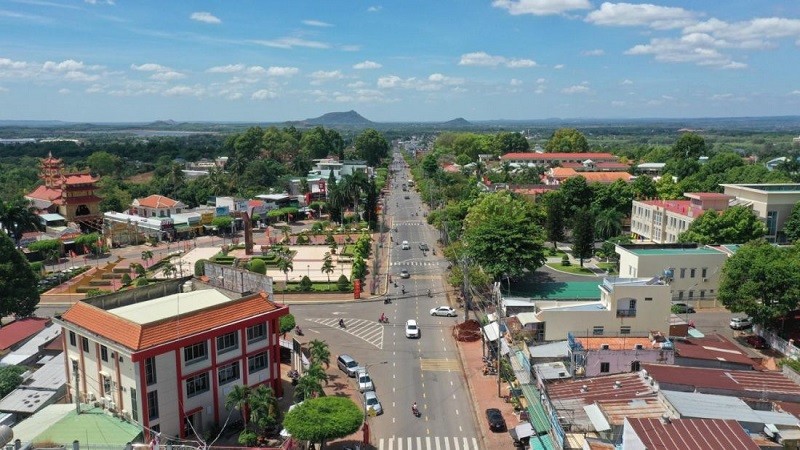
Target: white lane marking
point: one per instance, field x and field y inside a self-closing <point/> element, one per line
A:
<point x="474" y="443"/>
<point x="456" y="412"/>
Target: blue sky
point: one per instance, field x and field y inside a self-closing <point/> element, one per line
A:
<point x="404" y="60"/>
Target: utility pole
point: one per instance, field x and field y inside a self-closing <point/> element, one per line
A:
<point x="77" y="387"/>
<point x="499" y="311"/>
<point x="466" y="288"/>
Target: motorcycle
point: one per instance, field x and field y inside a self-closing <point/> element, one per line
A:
<point x="387" y="301"/>
<point x="298" y="331"/>
<point x="341" y="323"/>
<point x="415" y="411"/>
<point x="383" y="320"/>
<point x="429" y="293"/>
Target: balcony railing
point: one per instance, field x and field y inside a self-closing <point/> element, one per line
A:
<point x="626" y="313"/>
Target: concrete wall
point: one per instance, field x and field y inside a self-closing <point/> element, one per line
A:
<point x="238" y="280"/>
<point x="763" y="202"/>
<point x="620" y="360"/>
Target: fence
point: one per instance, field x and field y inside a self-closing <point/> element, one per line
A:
<point x="776" y="342"/>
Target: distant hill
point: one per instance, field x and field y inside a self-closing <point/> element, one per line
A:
<point x="460" y="122"/>
<point x="349" y="118"/>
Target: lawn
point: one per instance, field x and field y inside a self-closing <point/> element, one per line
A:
<point x="574" y="269"/>
<point x="315" y="287"/>
<point x="609" y="267"/>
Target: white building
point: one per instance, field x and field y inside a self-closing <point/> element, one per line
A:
<point x="156" y="206"/>
<point x="662" y="221"/>
<point x="772" y="203"/>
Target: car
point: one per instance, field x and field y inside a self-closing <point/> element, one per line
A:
<point x="444" y="311"/>
<point x="348" y="365"/>
<point x="364" y="382"/>
<point x="423" y="246"/>
<point x="495" y="419"/>
<point x="405" y="245"/>
<point x="757" y="341"/>
<point x="407" y="197"/>
<point x="371" y="401"/>
<point x="682" y="308"/>
<point x="404" y="274"/>
<point x="412" y="330"/>
<point x="741" y="323"/>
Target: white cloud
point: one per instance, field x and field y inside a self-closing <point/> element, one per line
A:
<point x="575" y="89"/>
<point x="558" y="66"/>
<point x="595" y="52"/>
<point x="150" y="67"/>
<point x="434" y="82"/>
<point x="617" y="103"/>
<point x="291" y="42"/>
<point x="520" y="63"/>
<point x="6" y="63"/>
<point x="697" y="48"/>
<point x="80" y="76"/>
<point x="626" y="82"/>
<point x="167" y="76"/>
<point x="263" y="94"/>
<point x="367" y="65"/>
<point x="230" y="68"/>
<point x="795" y="92"/>
<point x="752" y="34"/>
<point x="350" y="48"/>
<point x="276" y="71"/>
<point x="389" y="81"/>
<point x="2" y="89"/>
<point x="99" y="2"/>
<point x="182" y="91"/>
<point x="316" y="23"/>
<point x="645" y="14"/>
<point x="444" y="79"/>
<point x="95" y="89"/>
<point x="515" y="82"/>
<point x="722" y="96"/>
<point x="64" y="91"/>
<point x="64" y="66"/>
<point x="374" y="8"/>
<point x="321" y="76"/>
<point x="487" y="60"/>
<point x="205" y="17"/>
<point x="541" y="7"/>
<point x="357" y="84"/>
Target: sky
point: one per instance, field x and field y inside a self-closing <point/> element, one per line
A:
<point x="396" y="61"/>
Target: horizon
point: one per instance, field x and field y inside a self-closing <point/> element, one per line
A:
<point x="102" y="61"/>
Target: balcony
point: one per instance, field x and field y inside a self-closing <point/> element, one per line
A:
<point x="626" y="313"/>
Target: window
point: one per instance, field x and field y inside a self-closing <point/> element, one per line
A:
<point x="680" y="295"/>
<point x="106" y="384"/>
<point x="150" y="371"/>
<point x="152" y="405"/>
<point x="155" y="428"/>
<point x="691" y="272"/>
<point x="702" y="294"/>
<point x="85" y="344"/>
<point x="104" y="353"/>
<point x="256" y="333"/>
<point x="194" y="353"/>
<point x="72" y="340"/>
<point x="691" y="294"/>
<point x="228" y="373"/>
<point x="683" y="272"/>
<point x="597" y="331"/>
<point x="624" y="330"/>
<point x="257" y="362"/>
<point x="227" y="342"/>
<point x="635" y="366"/>
<point x="605" y="367"/>
<point x="648" y="299"/>
<point x="197" y="385"/>
<point x="134" y="405"/>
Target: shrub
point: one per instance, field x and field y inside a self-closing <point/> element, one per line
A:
<point x="303" y="239"/>
<point x="343" y="284"/>
<point x="37" y="267"/>
<point x="257" y="266"/>
<point x="552" y="252"/>
<point x="200" y="268"/>
<point x="565" y="261"/>
<point x="126" y="279"/>
<point x="305" y="284"/>
<point x="287" y="323"/>
<point x="96" y="292"/>
<point x="248" y="438"/>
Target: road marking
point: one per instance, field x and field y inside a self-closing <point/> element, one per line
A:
<point x="438" y="364"/>
<point x="456" y="410"/>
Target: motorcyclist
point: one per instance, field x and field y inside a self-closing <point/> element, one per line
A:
<point x="414" y="409"/>
<point x="429" y="292"/>
<point x="383" y="318"/>
<point x="341" y="323"/>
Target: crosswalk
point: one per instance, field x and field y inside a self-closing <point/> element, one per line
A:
<point x="369" y="331"/>
<point x="416" y="263"/>
<point x="410" y="224"/>
<point x="428" y="443"/>
<point x="439" y="365"/>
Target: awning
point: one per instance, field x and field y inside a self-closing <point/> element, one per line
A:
<point x="491" y="332"/>
<point x="522" y="431"/>
<point x="597" y="418"/>
<point x="182" y="228"/>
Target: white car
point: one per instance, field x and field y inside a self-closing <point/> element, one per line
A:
<point x="372" y="402"/>
<point x="412" y="330"/>
<point x="404" y="274"/>
<point x="741" y="323"/>
<point x="365" y="382"/>
<point x="405" y="245"/>
<point x="444" y="311"/>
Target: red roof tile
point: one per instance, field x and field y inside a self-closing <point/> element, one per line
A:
<point x="612" y="165"/>
<point x="45" y="193"/>
<point x="139" y="337"/>
<point x="789" y="407"/>
<point x="156" y="201"/>
<point x="20" y="331"/>
<point x="713" y="347"/>
<point x="559" y="156"/>
<point x="744" y="383"/>
<point x="79" y="178"/>
<point x="692" y="434"/>
<point x="682" y="207"/>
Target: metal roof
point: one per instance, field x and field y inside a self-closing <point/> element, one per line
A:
<point x="52" y="375"/>
<point x="31" y="347"/>
<point x="552" y="370"/>
<point x="710" y="406"/>
<point x="691" y="434"/>
<point x="742" y="383"/>
<point x="550" y="350"/>
<point x="26" y="401"/>
<point x="615" y="411"/>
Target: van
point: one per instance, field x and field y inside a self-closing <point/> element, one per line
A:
<point x="405" y="245"/>
<point x="348" y="365"/>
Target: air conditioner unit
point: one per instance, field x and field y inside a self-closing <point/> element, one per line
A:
<point x="705" y="280"/>
<point x="604" y="346"/>
<point x="638" y="347"/>
<point x="112" y="406"/>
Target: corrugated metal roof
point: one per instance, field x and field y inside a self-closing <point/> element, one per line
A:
<point x="597" y="418"/>
<point x="692" y="434"/>
<point x="615" y="411"/>
<point x="712" y="347"/>
<point x="550" y="350"/>
<point x="710" y="406"/>
<point x="744" y="383"/>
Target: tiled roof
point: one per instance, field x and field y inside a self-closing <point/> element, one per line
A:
<point x="44" y="193"/>
<point x="744" y="383"/>
<point x="612" y="165"/>
<point x="559" y="156"/>
<point x="683" y="207"/>
<point x="79" y="178"/>
<point x="791" y="408"/>
<point x="713" y="347"/>
<point x="614" y="343"/>
<point x="156" y="201"/>
<point x="139" y="337"/>
<point x="692" y="434"/>
<point x="605" y="177"/>
<point x="21" y="330"/>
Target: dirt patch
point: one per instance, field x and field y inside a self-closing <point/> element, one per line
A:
<point x="469" y="331"/>
<point x="141" y="178"/>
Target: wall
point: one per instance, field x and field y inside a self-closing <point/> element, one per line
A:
<point x="238" y="280"/>
<point x="620" y="360"/>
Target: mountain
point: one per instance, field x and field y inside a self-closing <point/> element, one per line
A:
<point x="350" y="118"/>
<point x="455" y="123"/>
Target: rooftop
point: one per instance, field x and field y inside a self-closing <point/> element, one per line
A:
<point x="712" y="347"/>
<point x="51" y="376"/>
<point x="692" y="434"/>
<point x="93" y="426"/>
<point x="558" y="156"/>
<point x="709" y="406"/>
<point x="550" y="350"/>
<point x="614" y="343"/>
<point x="156" y="201"/>
<point x="33" y="345"/>
<point x="672" y="251"/>
<point x="744" y="383"/>
<point x="21" y="330"/>
<point x="682" y="207"/>
<point x="571" y="290"/>
<point x="787" y="188"/>
<point x="173" y="305"/>
<point x="615" y="411"/>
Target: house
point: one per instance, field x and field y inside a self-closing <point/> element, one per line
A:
<point x="156" y="206"/>
<point x="651" y="169"/>
<point x="591" y="356"/>
<point x="37" y="348"/>
<point x="167" y="361"/>
<point x="692" y="271"/>
<point x="558" y="175"/>
<point x="41" y="387"/>
<point x="608" y="416"/>
<point x="589" y="161"/>
<point x="18" y="332"/>
<point x="713" y="351"/>
<point x="661" y="221"/>
<point x="685" y="434"/>
<point x="123" y="228"/>
<point x="772" y="203"/>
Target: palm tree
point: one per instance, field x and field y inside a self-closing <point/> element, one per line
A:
<point x="264" y="408"/>
<point x="239" y="398"/>
<point x="147" y="255"/>
<point x="285" y="265"/>
<point x="319" y="352"/>
<point x="327" y="267"/>
<point x="169" y="269"/>
<point x="608" y="224"/>
<point x="17" y="217"/>
<point x="316" y="372"/>
<point x="220" y="181"/>
<point x="307" y="387"/>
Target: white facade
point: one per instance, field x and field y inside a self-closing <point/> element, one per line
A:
<point x="772" y="203"/>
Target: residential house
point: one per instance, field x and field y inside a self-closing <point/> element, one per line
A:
<point x="662" y="221"/>
<point x="35" y="349"/>
<point x="558" y="175"/>
<point x="685" y="434"/>
<point x="712" y="351"/>
<point x="772" y="203"/>
<point x="15" y="334"/>
<point x="579" y="161"/>
<point x="169" y="362"/>
<point x="591" y="356"/>
<point x="40" y="387"/>
<point x="156" y="206"/>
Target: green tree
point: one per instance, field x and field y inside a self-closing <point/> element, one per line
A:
<point x="371" y="146"/>
<point x="285" y="265"/>
<point x="10" y="378"/>
<point x="147" y="256"/>
<point x="319" y="352"/>
<point x="238" y="398"/>
<point x="762" y="281"/>
<point x="257" y="265"/>
<point x="689" y="146"/>
<point x="371" y="205"/>
<point x="359" y="268"/>
<point x="169" y="269"/>
<point x="554" y="220"/>
<point x="583" y="235"/>
<point x="103" y="163"/>
<point x="307" y="387"/>
<point x="643" y="187"/>
<point x="667" y="188"/>
<point x="200" y="267"/>
<point x="506" y="142"/>
<point x="322" y="419"/>
<point x="18" y="293"/>
<point x="736" y="225"/>
<point x="223" y="223"/>
<point x="316" y="372"/>
<point x="343" y="284"/>
<point x="791" y="228"/>
<point x="503" y="234"/>
<point x="265" y="410"/>
<point x="567" y="140"/>
<point x="429" y="165"/>
<point x="577" y="195"/>
<point x="287" y="323"/>
<point x="327" y="267"/>
<point x="50" y="249"/>
<point x="608" y="223"/>
<point x="305" y="284"/>
<point x="17" y="217"/>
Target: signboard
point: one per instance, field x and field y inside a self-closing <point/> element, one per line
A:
<point x="241" y="205"/>
<point x="322" y="186"/>
<point x="222" y="211"/>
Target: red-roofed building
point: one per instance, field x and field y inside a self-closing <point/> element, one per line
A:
<point x="156" y="206"/>
<point x="70" y="194"/>
<point x="558" y="158"/>
<point x="164" y="362"/>
<point x="714" y="351"/>
<point x="19" y="331"/>
<point x="685" y="434"/>
<point x="661" y="221"/>
<point x="558" y="175"/>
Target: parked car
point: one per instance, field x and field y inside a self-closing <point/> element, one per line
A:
<point x="495" y="418"/>
<point x="365" y="382"/>
<point x="407" y="197"/>
<point x="412" y="330"/>
<point x="423" y="246"/>
<point x="682" y="308"/>
<point x="741" y="323"/>
<point x="404" y="274"/>
<point x="405" y="245"/>
<point x="757" y="341"/>
<point x="444" y="311"/>
<point x="372" y="402"/>
<point x="348" y="365"/>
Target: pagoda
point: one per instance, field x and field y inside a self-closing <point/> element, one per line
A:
<point x="70" y="194"/>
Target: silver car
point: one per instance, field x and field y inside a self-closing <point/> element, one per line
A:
<point x="364" y="382"/>
<point x="372" y="402"/>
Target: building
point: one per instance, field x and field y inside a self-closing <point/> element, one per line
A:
<point x="662" y="221"/>
<point x="693" y="271"/>
<point x="578" y="161"/>
<point x="121" y="228"/>
<point x="772" y="203"/>
<point x="156" y="206"/>
<point x="712" y="351"/>
<point x="685" y="434"/>
<point x="651" y="169"/>
<point x="557" y="175"/>
<point x="40" y="387"/>
<point x="167" y="361"/>
<point x="591" y="356"/>
<point x="69" y="194"/>
<point x="15" y="334"/>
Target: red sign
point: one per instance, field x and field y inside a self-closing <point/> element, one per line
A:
<point x="321" y="185"/>
<point x="357" y="289"/>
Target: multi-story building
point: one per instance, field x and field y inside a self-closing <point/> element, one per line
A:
<point x="586" y="162"/>
<point x="168" y="363"/>
<point x="662" y="221"/>
<point x="591" y="356"/>
<point x="558" y="175"/>
<point x="156" y="206"/>
<point x="772" y="203"/>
